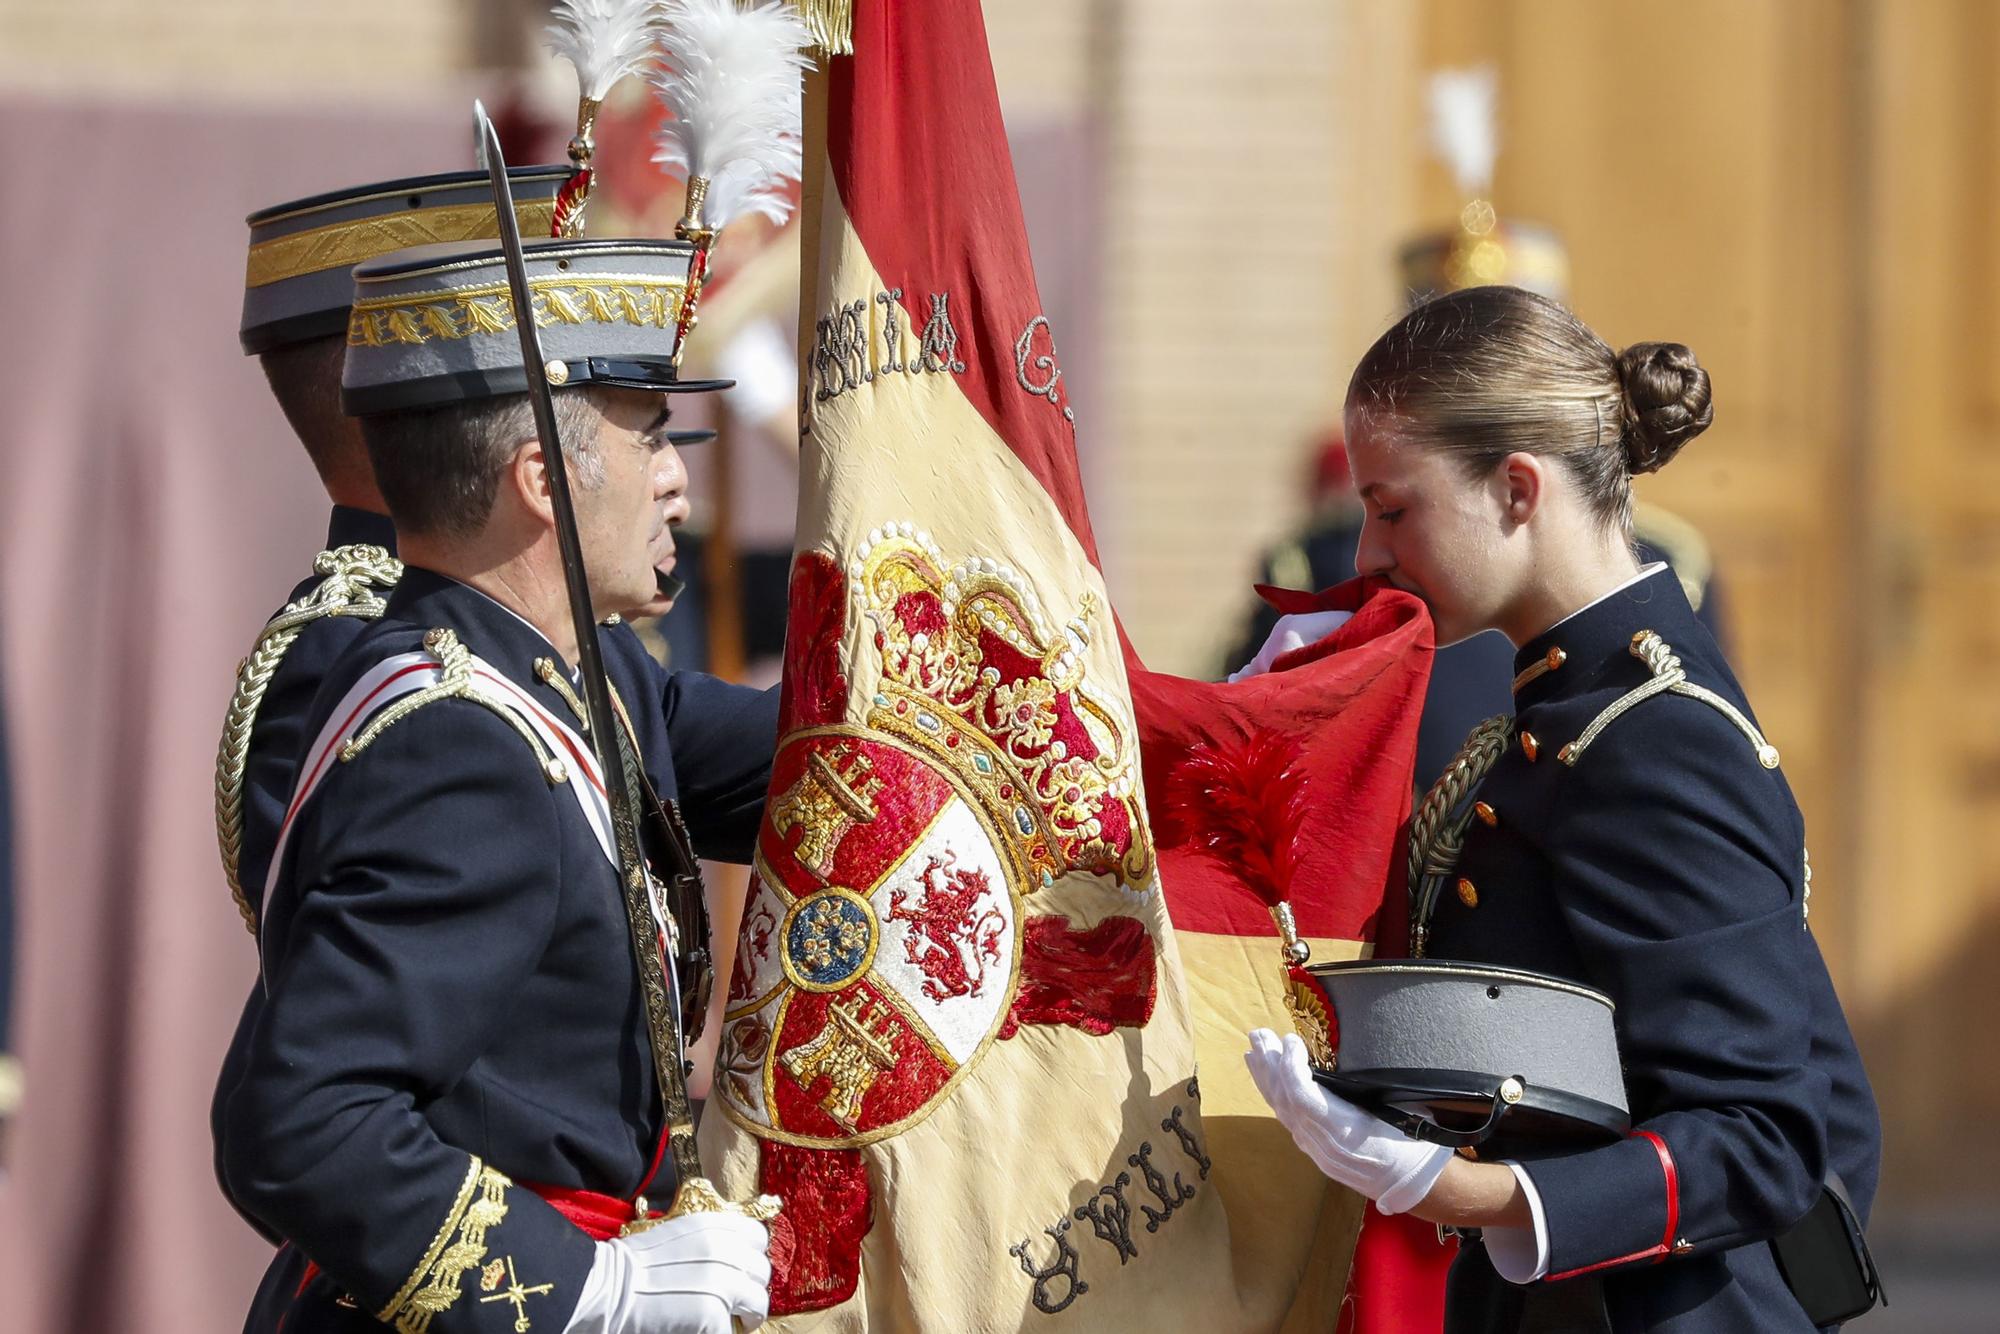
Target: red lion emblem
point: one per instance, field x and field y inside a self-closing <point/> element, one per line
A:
<point x="951" y="938"/>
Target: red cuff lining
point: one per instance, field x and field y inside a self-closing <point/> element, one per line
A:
<point x="1665" y="1247"/>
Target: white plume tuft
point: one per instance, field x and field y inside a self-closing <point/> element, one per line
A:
<point x="1463" y="130"/>
<point x="604" y="39"/>
<point x="731" y="78"/>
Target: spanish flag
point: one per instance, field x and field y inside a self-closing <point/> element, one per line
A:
<point x="964" y="1039"/>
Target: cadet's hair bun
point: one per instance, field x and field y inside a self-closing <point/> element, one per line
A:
<point x="1666" y="403"/>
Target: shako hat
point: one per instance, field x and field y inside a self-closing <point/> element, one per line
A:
<point x="297" y="283"/>
<point x="1482" y="248"/>
<point x="435" y="325"/>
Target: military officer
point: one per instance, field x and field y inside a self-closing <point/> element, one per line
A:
<point x="448" y="1108"/>
<point x="295" y="308"/>
<point x="1631" y="831"/>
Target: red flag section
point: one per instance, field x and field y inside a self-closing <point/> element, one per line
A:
<point x="983" y="948"/>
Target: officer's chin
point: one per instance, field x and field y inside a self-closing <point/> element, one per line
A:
<point x="667" y="588"/>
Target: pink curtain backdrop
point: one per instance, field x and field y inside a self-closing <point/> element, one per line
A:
<point x="153" y="507"/>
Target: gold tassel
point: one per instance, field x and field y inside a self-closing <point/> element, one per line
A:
<point x="831" y="23"/>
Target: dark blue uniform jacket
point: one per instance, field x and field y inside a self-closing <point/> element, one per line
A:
<point x="452" y="1008"/>
<point x="1667" y="868"/>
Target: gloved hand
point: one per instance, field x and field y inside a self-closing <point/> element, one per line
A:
<point x="1291" y="632"/>
<point x="1359" y="1150"/>
<point x="688" y="1275"/>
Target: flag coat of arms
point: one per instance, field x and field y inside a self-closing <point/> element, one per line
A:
<point x="958" y="1041"/>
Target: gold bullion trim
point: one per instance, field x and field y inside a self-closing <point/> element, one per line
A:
<point x="342" y="245"/>
<point x="433" y="1286"/>
<point x="352" y="575"/>
<point x="646" y="301"/>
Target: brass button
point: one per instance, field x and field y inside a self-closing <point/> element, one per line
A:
<point x="1468" y="893"/>
<point x="1487" y="815"/>
<point x="1530" y="746"/>
<point x="557" y="371"/>
<point x="1556" y="658"/>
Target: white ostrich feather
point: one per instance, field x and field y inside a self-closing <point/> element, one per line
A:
<point x="1463" y="130"/>
<point x="604" y="39"/>
<point x="731" y="78"/>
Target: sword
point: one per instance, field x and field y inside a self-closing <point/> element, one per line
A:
<point x="694" y="1194"/>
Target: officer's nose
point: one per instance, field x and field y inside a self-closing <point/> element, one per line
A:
<point x="670" y="480"/>
<point x="1371" y="551"/>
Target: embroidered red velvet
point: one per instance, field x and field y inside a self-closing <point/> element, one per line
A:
<point x="829" y="1205"/>
<point x="814" y="690"/>
<point x="1094" y="980"/>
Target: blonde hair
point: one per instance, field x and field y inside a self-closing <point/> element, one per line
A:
<point x="1492" y="371"/>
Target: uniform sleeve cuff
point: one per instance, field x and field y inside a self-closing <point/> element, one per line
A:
<point x="1610" y="1206"/>
<point x="1520" y="1254"/>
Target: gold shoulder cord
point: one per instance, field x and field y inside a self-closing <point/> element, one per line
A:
<point x="351" y="576"/>
<point x="1437" y="835"/>
<point x="1669" y="677"/>
<point x="454" y="682"/>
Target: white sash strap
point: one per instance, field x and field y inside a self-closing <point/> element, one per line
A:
<point x="407" y="673"/>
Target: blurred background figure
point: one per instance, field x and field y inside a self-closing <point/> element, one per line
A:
<point x="1470" y="680"/>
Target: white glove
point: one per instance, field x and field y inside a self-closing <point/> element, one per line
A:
<point x="688" y="1275"/>
<point x="1291" y="632"/>
<point x="1359" y="1150"/>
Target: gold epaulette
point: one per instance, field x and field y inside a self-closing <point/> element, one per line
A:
<point x="1681" y="543"/>
<point x="1668" y="678"/>
<point x="455" y="682"/>
<point x="351" y="576"/>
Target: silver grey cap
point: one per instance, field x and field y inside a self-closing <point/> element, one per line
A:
<point x="435" y="324"/>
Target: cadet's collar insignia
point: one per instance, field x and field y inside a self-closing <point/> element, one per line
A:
<point x="1572" y="653"/>
<point x="1540" y="667"/>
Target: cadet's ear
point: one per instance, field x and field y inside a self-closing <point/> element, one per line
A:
<point x="1523" y="481"/>
<point x="527" y="476"/>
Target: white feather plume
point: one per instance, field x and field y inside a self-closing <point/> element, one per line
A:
<point x="731" y="78"/>
<point x="604" y="39"/>
<point x="1464" y="133"/>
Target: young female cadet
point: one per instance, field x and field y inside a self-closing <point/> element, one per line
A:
<point x="1634" y="835"/>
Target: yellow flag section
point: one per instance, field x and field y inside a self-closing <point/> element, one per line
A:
<point x="958" y="1040"/>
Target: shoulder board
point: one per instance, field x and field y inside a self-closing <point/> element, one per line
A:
<point x="443" y="669"/>
<point x="1668" y="677"/>
<point x="350" y="576"/>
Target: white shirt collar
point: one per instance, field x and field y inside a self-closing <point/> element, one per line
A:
<point x="1645" y="573"/>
